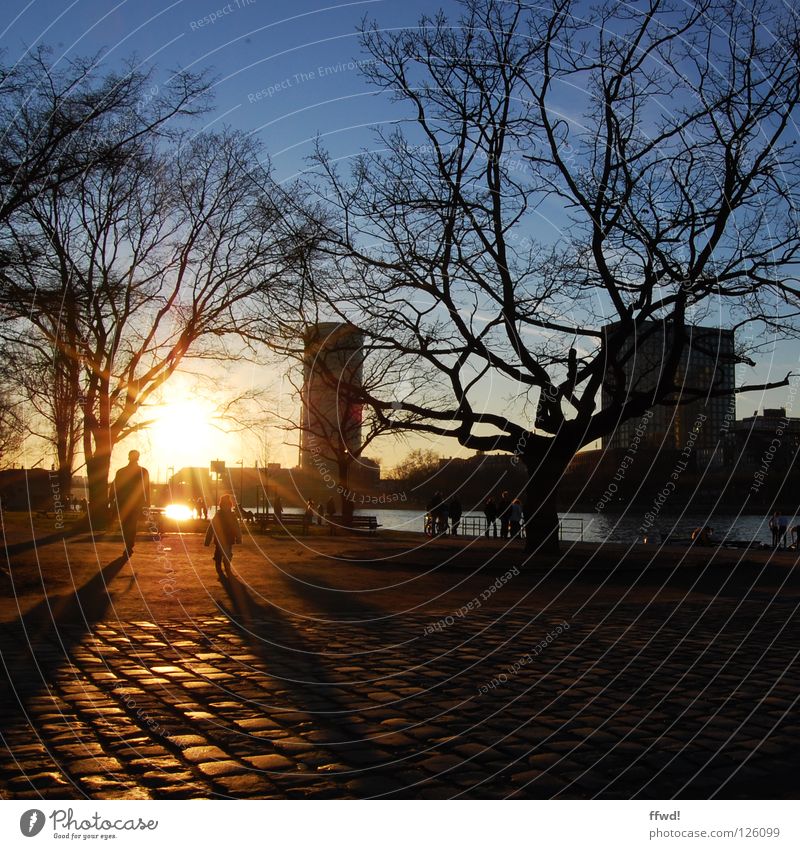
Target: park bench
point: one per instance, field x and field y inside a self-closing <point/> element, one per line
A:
<point x="361" y="523"/>
<point x="288" y="520"/>
<point x="297" y="520"/>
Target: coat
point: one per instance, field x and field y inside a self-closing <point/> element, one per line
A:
<point x="224" y="530"/>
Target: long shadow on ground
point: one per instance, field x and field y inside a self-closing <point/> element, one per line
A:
<point x="323" y="704"/>
<point x="34" y="646"/>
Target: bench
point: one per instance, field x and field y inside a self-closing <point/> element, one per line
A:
<point x="362" y="523"/>
<point x="298" y="520"/>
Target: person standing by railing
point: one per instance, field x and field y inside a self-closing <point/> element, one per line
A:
<point x="490" y="512"/>
<point x="515" y="517"/>
<point x="455" y="512"/>
<point x="503" y="510"/>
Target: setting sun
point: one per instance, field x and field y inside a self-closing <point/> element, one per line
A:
<point x="183" y="432"/>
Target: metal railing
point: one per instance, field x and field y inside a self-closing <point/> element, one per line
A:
<point x="569" y="528"/>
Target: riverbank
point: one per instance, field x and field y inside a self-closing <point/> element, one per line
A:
<point x="173" y="576"/>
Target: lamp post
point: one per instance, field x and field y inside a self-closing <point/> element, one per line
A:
<point x="240" y="463"/>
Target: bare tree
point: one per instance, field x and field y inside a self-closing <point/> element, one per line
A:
<point x="47" y="386"/>
<point x="60" y="118"/>
<point x="147" y="259"/>
<point x="11" y="427"/>
<point x="566" y="180"/>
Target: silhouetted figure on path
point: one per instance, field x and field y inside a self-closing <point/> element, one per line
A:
<point x="440" y="513"/>
<point x="202" y="507"/>
<point x="277" y="509"/>
<point x="455" y="512"/>
<point x="503" y="511"/>
<point x="129" y="495"/>
<point x="490" y="511"/>
<point x="775" y="527"/>
<point x="703" y="535"/>
<point x="783" y="529"/>
<point x="515" y="517"/>
<point x="224" y="531"/>
<point x="430" y="516"/>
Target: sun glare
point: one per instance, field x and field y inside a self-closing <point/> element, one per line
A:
<point x="178" y="512"/>
<point x="182" y="433"/>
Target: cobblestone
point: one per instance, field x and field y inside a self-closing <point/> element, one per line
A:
<point x="616" y="707"/>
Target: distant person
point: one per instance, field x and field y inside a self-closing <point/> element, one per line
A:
<point x="202" y="507"/>
<point x="308" y="516"/>
<point x="503" y="509"/>
<point x="455" y="513"/>
<point x="515" y="517"/>
<point x="224" y="531"/>
<point x="129" y="495"/>
<point x="795" y="532"/>
<point x="441" y="513"/>
<point x="490" y="512"/>
<point x="277" y="509"/>
<point x="703" y="536"/>
<point x="430" y="515"/>
<point x="774" y="526"/>
<point x="330" y="512"/>
<point x="652" y="537"/>
<point x="783" y="529"/>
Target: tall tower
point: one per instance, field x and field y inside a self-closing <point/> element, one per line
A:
<point x="332" y="378"/>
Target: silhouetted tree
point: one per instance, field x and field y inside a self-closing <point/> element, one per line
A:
<point x="565" y="180"/>
<point x="148" y="258"/>
<point x="61" y="118"/>
<point x="11" y="427"/>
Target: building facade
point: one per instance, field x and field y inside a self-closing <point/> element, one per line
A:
<point x="706" y="373"/>
<point x="332" y="377"/>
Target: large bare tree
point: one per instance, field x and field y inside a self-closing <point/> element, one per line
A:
<point x="149" y="258"/>
<point x="562" y="181"/>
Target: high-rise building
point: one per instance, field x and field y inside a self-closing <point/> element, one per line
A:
<point x="706" y="369"/>
<point x="332" y="378"/>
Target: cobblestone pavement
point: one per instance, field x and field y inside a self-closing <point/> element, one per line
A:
<point x="693" y="700"/>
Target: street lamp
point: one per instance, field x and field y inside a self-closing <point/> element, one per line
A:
<point x="240" y="463"/>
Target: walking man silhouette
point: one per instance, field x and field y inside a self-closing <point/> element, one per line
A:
<point x="130" y="494"/>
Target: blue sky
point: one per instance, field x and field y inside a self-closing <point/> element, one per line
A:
<point x="286" y="71"/>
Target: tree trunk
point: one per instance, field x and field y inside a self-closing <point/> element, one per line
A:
<point x="65" y="480"/>
<point x="541" y="514"/>
<point x="97" y="469"/>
